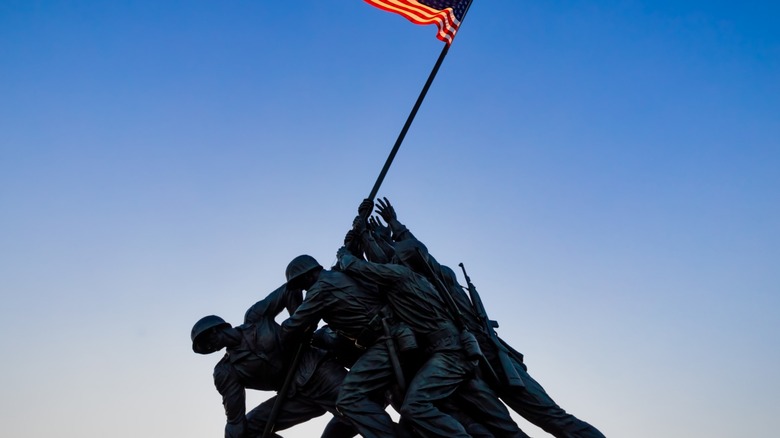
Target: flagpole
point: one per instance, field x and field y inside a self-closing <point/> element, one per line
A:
<point x="413" y="113"/>
<point x="408" y="123"/>
<point x="281" y="396"/>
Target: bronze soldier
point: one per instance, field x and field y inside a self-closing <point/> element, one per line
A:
<point x="528" y="399"/>
<point x="256" y="358"/>
<point x="446" y="370"/>
<point x="355" y="311"/>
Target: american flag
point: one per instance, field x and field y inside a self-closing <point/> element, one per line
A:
<point x="445" y="14"/>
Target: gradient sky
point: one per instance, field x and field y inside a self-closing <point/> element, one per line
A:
<point x="608" y="172"/>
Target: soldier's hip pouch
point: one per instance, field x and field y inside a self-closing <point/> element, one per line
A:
<point x="405" y="339"/>
<point x="470" y="345"/>
<point x="444" y="339"/>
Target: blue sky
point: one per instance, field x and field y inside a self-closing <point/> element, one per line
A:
<point x="607" y="172"/>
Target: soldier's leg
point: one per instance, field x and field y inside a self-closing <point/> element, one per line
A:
<point x="361" y="398"/>
<point x="474" y="428"/>
<point x="324" y="385"/>
<point x="481" y="403"/>
<point x="435" y="381"/>
<point x="339" y="427"/>
<point x="534" y="404"/>
<point x="323" y="390"/>
<point x="295" y="410"/>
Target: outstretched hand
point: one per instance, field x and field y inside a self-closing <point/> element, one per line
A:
<point x="386" y="210"/>
<point x="378" y="228"/>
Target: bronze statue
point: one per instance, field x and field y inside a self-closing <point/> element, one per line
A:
<point x="355" y="312"/>
<point x="256" y="358"/>
<point x="446" y="370"/>
<point x="408" y="333"/>
<point x="526" y="397"/>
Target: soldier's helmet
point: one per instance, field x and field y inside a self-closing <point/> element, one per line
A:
<point x="199" y="330"/>
<point x="299" y="266"/>
<point x="411" y="253"/>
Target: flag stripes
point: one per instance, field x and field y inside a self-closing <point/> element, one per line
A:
<point x="440" y="13"/>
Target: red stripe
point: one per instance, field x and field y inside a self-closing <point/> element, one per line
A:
<point x="414" y="12"/>
<point x="421" y="14"/>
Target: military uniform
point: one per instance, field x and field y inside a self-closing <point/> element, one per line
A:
<point x="354" y="311"/>
<point x="445" y="372"/>
<point x="261" y="361"/>
<point x="531" y="401"/>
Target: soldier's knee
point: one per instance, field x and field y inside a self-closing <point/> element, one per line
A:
<point x="347" y="401"/>
<point x="342" y="404"/>
<point x="412" y="408"/>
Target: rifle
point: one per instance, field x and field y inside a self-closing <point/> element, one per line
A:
<point x="512" y="376"/>
<point x="394" y="360"/>
<point x="470" y="344"/>
<point x="281" y="396"/>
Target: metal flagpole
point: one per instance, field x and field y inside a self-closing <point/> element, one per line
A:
<point x="412" y="114"/>
<point x="408" y="123"/>
<point x="281" y="395"/>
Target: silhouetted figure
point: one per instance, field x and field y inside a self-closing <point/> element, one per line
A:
<point x="446" y="370"/>
<point x="531" y="401"/>
<point x="257" y="359"/>
<point x="355" y="312"/>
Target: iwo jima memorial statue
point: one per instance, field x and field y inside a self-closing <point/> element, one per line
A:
<point x="398" y="330"/>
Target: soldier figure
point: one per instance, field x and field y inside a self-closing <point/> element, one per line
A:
<point x="528" y="399"/>
<point x="401" y="297"/>
<point x="446" y="371"/>
<point x="257" y="359"/>
<point x="354" y="311"/>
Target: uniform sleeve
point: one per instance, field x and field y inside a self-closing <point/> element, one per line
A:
<point x="233" y="399"/>
<point x="306" y="316"/>
<point x="376" y="249"/>
<point x="268" y="307"/>
<point x="400" y="232"/>
<point x="383" y="274"/>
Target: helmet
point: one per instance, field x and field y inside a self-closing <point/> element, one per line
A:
<point x="411" y="252"/>
<point x="202" y="326"/>
<point x="299" y="266"/>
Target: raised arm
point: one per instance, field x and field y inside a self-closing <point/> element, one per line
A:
<point x="306" y="317"/>
<point x="387" y="212"/>
<point x="378" y="273"/>
<point x="272" y="305"/>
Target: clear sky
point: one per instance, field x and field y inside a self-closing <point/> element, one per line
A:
<point x="608" y="172"/>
